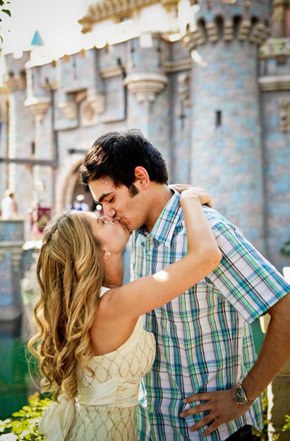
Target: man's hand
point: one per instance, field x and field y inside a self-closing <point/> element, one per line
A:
<point x="202" y="194"/>
<point x="221" y="407"/>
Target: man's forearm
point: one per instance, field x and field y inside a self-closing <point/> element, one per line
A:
<point x="275" y="350"/>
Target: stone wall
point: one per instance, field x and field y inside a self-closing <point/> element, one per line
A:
<point x="206" y="101"/>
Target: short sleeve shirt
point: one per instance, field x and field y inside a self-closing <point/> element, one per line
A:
<point x="204" y="339"/>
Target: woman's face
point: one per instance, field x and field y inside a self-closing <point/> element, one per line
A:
<point x="111" y="235"/>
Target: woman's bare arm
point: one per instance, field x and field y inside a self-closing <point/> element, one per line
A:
<point x="150" y="292"/>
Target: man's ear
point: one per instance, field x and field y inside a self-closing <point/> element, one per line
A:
<point x="142" y="179"/>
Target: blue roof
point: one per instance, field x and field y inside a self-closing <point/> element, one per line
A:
<point x="37" y="40"/>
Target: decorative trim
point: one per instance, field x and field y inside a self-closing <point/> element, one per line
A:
<point x="275" y="47"/>
<point x="68" y="109"/>
<point x="91" y="107"/>
<point x="259" y="34"/>
<point x="145" y="86"/>
<point x="244" y="30"/>
<point x="168" y="67"/>
<point x="212" y="32"/>
<point x="97" y="103"/>
<point x="228" y="30"/>
<point x="194" y="39"/>
<point x="116" y="10"/>
<point x="177" y="66"/>
<point x="209" y="32"/>
<point x="274" y="83"/>
<point x="183" y="88"/>
<point x="284" y="115"/>
<point x="38" y="106"/>
<point x="111" y="71"/>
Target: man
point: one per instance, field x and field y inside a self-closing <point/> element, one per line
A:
<point x="205" y="352"/>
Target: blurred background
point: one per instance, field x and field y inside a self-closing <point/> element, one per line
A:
<point x="206" y="81"/>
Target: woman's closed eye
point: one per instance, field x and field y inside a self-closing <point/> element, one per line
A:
<point x="104" y="220"/>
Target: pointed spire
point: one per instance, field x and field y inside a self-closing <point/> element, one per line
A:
<point x="37" y="40"/>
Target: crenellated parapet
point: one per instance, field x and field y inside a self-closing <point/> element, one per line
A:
<point x="15" y="76"/>
<point x="238" y="28"/>
<point x="213" y="20"/>
<point x="15" y="82"/>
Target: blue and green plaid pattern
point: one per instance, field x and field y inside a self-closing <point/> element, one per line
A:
<point x="204" y="341"/>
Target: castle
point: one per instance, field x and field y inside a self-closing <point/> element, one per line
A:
<point x="206" y="81"/>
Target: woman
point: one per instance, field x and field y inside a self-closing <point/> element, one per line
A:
<point x="91" y="345"/>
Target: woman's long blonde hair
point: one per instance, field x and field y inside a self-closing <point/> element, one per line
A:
<point x="70" y="274"/>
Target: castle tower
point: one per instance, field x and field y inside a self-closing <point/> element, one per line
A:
<point x="275" y="103"/>
<point x="226" y="156"/>
<point x="148" y="91"/>
<point x="17" y="130"/>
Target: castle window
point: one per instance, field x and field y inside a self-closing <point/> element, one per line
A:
<point x="32" y="148"/>
<point x="218" y="118"/>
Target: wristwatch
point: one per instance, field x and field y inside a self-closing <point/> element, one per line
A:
<point x="240" y="395"/>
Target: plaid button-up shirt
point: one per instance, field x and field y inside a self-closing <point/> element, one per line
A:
<point x="204" y="339"/>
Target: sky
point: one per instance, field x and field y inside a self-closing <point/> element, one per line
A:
<point x="56" y="21"/>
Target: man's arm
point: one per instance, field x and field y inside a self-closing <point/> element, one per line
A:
<point x="275" y="350"/>
<point x="274" y="355"/>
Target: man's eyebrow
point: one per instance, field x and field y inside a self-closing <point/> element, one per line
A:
<point x="103" y="196"/>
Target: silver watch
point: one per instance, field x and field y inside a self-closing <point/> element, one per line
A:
<point x="240" y="395"/>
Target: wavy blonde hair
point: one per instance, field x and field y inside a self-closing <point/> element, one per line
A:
<point x="70" y="274"/>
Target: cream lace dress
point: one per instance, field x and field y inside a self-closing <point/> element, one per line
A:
<point x="105" y="408"/>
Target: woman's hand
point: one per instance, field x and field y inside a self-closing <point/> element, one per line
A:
<point x="190" y="190"/>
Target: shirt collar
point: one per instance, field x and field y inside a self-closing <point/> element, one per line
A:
<point x="164" y="227"/>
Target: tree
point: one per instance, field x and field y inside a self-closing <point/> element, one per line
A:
<point x="4" y="9"/>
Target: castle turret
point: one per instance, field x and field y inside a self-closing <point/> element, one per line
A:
<point x="18" y="129"/>
<point x="226" y="156"/>
<point x="148" y="92"/>
<point x="274" y="82"/>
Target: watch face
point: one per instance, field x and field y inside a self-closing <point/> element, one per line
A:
<point x="240" y="395"/>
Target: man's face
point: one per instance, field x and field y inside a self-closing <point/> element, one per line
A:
<point x="118" y="202"/>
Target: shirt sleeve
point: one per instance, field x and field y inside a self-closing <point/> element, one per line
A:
<point x="244" y="277"/>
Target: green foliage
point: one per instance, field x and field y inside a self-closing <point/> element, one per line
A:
<point x="287" y="424"/>
<point x="262" y="435"/>
<point x="4" y="9"/>
<point x="23" y="425"/>
<point x="286" y="248"/>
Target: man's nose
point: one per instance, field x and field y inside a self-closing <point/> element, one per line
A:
<point x="109" y="211"/>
